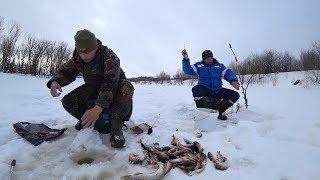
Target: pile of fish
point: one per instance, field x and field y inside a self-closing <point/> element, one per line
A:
<point x="188" y="156"/>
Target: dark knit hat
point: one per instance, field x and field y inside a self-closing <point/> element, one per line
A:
<point x="206" y="54"/>
<point x="85" y="41"/>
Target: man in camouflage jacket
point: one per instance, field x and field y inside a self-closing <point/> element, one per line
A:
<point x="104" y="102"/>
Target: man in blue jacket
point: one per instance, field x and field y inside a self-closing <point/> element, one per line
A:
<point x="209" y="93"/>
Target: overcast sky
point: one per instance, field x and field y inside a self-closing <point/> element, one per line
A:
<point x="148" y="35"/>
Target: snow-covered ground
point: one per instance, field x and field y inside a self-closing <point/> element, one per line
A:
<point x="278" y="137"/>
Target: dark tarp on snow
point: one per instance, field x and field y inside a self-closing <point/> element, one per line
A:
<point x="36" y="133"/>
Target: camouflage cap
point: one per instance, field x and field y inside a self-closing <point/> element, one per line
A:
<point x="85" y="41"/>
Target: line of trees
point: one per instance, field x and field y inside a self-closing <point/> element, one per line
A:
<point x="24" y="53"/>
<point x="162" y="77"/>
<point x="272" y="61"/>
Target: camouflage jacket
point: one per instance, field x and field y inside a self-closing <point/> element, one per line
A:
<point x="102" y="73"/>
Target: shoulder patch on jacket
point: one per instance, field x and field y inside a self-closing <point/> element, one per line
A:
<point x="199" y="64"/>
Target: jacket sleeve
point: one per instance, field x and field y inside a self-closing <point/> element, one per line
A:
<point x="187" y="68"/>
<point x="228" y="74"/>
<point x="110" y="81"/>
<point x="65" y="75"/>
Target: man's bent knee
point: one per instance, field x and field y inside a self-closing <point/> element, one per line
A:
<point x="200" y="91"/>
<point x="235" y="97"/>
<point x="122" y="106"/>
<point x="71" y="105"/>
<point x="66" y="101"/>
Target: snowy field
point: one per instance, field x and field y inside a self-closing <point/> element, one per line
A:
<point x="278" y="137"/>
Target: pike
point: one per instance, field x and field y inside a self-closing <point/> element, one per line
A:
<point x="159" y="174"/>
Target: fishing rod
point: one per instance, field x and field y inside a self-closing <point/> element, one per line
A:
<point x="235" y="57"/>
<point x="13" y="164"/>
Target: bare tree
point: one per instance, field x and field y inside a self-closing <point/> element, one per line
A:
<point x="1" y="27"/>
<point x="285" y="63"/>
<point x="313" y="77"/>
<point x="179" y="77"/>
<point x="19" y="63"/>
<point x="61" y="55"/>
<point x="8" y="46"/>
<point x="27" y="52"/>
<point x="309" y="59"/>
<point x="248" y="73"/>
<point x="311" y="62"/>
<point x="316" y="47"/>
<point x="162" y="76"/>
<point x="49" y="56"/>
<point x="41" y="46"/>
<point x="1" y="30"/>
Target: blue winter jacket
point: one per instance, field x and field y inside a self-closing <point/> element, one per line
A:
<point x="209" y="75"/>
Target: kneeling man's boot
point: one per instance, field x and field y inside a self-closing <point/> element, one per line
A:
<point x="78" y="126"/>
<point x="117" y="139"/>
<point x="222" y="107"/>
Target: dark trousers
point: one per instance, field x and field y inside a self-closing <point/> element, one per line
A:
<point x="203" y="96"/>
<point x="81" y="99"/>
